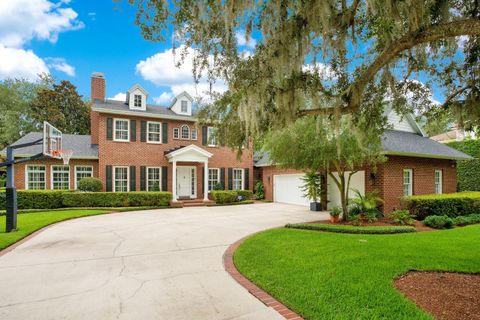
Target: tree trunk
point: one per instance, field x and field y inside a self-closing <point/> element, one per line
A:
<point x="343" y="195"/>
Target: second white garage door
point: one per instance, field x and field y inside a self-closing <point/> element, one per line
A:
<point x="286" y="189"/>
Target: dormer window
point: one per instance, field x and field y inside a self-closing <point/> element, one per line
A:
<point x="184" y="108"/>
<point x="137" y="101"/>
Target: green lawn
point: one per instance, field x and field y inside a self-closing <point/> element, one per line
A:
<point x="30" y="222"/>
<point x="344" y="276"/>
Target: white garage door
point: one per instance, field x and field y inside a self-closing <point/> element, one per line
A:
<point x="356" y="182"/>
<point x="286" y="189"/>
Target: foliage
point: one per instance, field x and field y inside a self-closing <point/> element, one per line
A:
<point x="317" y="57"/>
<point x="403" y="217"/>
<point x="366" y="205"/>
<point x="336" y="211"/>
<point x="29" y="223"/>
<point x="90" y="184"/>
<point x="244" y="194"/>
<point x="230" y="196"/>
<point x="340" y="228"/>
<point x="259" y="190"/>
<point x="451" y="204"/>
<point x="466" y="220"/>
<point x="351" y="272"/>
<point x="355" y="220"/>
<point x="322" y="144"/>
<point x="468" y="171"/>
<point x="438" y="222"/>
<point x="311" y="187"/>
<point x="218" y="186"/>
<point x="51" y="199"/>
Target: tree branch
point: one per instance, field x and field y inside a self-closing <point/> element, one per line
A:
<point x="452" y="96"/>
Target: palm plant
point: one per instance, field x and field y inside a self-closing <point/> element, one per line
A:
<point x="367" y="204"/>
<point x="311" y="186"/>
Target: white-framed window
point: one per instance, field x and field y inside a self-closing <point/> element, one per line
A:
<point x="194" y="134"/>
<point x="213" y="178"/>
<point x="154" y="179"/>
<point x="82" y="172"/>
<point x="121" y="128"/>
<point x="407" y="182"/>
<point x="185" y="132"/>
<point x="184" y="106"/>
<point x="137" y="101"/>
<point x="237" y="179"/>
<point x="60" y="177"/>
<point x="35" y="177"/>
<point x="120" y="179"/>
<point x="154" y="132"/>
<point x="438" y="181"/>
<point x="176" y="133"/>
<point x="211" y="139"/>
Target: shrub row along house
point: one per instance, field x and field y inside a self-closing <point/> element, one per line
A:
<point x="135" y="146"/>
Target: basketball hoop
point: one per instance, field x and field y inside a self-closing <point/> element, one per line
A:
<point x="65" y="155"/>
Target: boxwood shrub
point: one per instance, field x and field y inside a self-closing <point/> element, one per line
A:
<point x="36" y="199"/>
<point x="90" y="184"/>
<point x="451" y="205"/>
<point x="230" y="196"/>
<point x="338" y="228"/>
<point x="438" y="222"/>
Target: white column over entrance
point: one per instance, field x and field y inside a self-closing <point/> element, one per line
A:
<point x="174" y="180"/>
<point x="205" y="183"/>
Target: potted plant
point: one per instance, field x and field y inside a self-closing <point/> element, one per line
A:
<point x="335" y="214"/>
<point x="311" y="189"/>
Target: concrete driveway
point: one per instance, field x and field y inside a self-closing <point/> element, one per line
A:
<point x="157" y="264"/>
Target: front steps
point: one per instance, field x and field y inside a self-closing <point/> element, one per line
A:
<point x="190" y="203"/>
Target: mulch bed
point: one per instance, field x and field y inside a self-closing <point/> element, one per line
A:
<point x="419" y="226"/>
<point x="445" y="295"/>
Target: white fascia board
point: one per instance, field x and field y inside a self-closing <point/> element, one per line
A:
<point x="143" y="114"/>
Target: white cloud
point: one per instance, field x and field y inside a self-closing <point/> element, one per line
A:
<point x="19" y="63"/>
<point x="61" y="65"/>
<point x="242" y="40"/>
<point x="164" y="98"/>
<point x="121" y="96"/>
<point x="323" y="70"/>
<point x="160" y="69"/>
<point x="24" y="20"/>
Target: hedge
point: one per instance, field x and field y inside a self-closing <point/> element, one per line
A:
<point x="51" y="199"/>
<point x="444" y="222"/>
<point x="230" y="196"/>
<point x="451" y="205"/>
<point x="468" y="171"/>
<point x="338" y="228"/>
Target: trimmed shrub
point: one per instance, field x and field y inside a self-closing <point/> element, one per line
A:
<point x="466" y="220"/>
<point x="338" y="228"/>
<point x="224" y="196"/>
<point x="245" y="194"/>
<point x="438" y="222"/>
<point x="468" y="171"/>
<point x="451" y="205"/>
<point x="37" y="199"/>
<point x="116" y="199"/>
<point x="402" y="216"/>
<point x="259" y="190"/>
<point x="90" y="184"/>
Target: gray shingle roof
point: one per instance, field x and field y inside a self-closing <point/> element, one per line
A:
<point x="80" y="144"/>
<point x="261" y="159"/>
<point x="152" y="110"/>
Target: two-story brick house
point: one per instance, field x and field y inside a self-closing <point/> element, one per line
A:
<point x="135" y="146"/>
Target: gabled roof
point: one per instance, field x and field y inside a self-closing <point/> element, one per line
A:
<point x="80" y="144"/>
<point x="409" y="118"/>
<point x="190" y="148"/>
<point x="135" y="87"/>
<point x="184" y="93"/>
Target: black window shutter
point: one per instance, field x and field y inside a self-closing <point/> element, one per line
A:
<point x="143" y="180"/>
<point x="230" y="178"/>
<point x="165" y="132"/>
<point x="222" y="178"/>
<point x="109" y="129"/>
<point x="133" y="130"/>
<point x="143" y="131"/>
<point x="164" y="178"/>
<point x="133" y="180"/>
<point x="204" y="135"/>
<point x="247" y="179"/>
<point x="108" y="178"/>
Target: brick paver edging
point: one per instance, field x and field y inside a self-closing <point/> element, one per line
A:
<point x="258" y="293"/>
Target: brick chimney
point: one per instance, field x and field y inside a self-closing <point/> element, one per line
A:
<point x="98" y="86"/>
<point x="97" y="94"/>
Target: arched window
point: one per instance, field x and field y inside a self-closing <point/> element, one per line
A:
<point x="185" y="132"/>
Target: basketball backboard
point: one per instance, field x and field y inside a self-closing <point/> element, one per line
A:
<point x="52" y="141"/>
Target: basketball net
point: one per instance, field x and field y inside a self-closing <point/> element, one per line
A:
<point x="64" y="154"/>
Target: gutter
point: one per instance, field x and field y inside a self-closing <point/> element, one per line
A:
<point x="145" y="115"/>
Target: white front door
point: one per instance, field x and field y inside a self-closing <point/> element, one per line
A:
<point x="186" y="183"/>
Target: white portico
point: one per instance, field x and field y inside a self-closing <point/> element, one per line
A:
<point x="184" y="176"/>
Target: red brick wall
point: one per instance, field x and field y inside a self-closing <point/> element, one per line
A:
<point x="20" y="170"/>
<point x="388" y="178"/>
<point x="98" y="88"/>
<point x="148" y="154"/>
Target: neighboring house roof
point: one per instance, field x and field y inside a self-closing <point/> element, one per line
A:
<point x="154" y="111"/>
<point x="80" y="144"/>
<point x="446" y="136"/>
<point x="261" y="159"/>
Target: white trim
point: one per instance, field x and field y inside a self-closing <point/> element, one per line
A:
<point x="181" y="132"/>
<point x="194" y="176"/>
<point x="410" y="186"/>
<point x="73" y="157"/>
<point x="159" y="175"/>
<point x="26" y="175"/>
<point x="160" y="132"/>
<point x="420" y="155"/>
<point x="144" y="114"/>
<point x="115" y="178"/>
<point x="51" y="175"/>
<point x="186" y="149"/>
<point x="75" y="173"/>
<point x="178" y="133"/>
<point x="208" y="178"/>
<point x="441" y="181"/>
<point x="115" y="129"/>
<point x="196" y="134"/>
<point x="242" y="175"/>
<point x="208" y="138"/>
